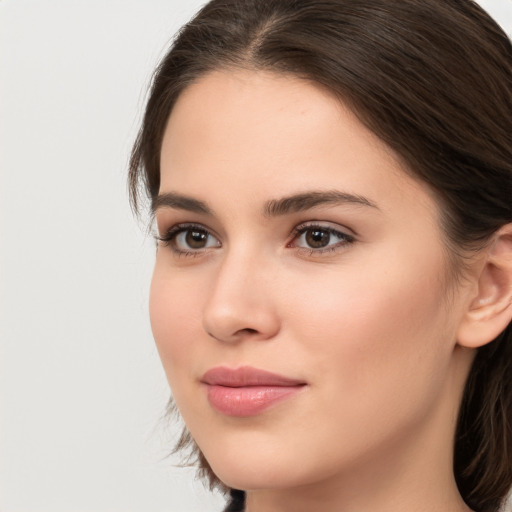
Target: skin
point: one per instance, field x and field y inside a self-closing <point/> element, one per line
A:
<point x="370" y="326"/>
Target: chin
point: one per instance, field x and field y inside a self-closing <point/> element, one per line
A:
<point x="260" y="469"/>
<point x="257" y="479"/>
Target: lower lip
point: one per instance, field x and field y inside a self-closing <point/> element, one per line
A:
<point x="248" y="401"/>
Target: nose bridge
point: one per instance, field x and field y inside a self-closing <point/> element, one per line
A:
<point x="240" y="299"/>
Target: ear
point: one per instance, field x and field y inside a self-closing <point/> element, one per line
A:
<point x="490" y="308"/>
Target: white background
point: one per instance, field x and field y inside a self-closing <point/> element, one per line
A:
<point x="81" y="387"/>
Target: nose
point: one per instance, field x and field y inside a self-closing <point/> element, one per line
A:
<point x="241" y="301"/>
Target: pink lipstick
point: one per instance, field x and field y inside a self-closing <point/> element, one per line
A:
<point x="247" y="391"/>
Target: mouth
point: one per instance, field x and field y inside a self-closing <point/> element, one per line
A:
<point x="247" y="391"/>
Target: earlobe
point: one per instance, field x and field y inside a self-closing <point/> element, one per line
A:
<point x="490" y="310"/>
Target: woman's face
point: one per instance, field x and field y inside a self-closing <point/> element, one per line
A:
<point x="295" y="244"/>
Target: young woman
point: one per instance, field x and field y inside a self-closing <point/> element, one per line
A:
<point x="331" y="183"/>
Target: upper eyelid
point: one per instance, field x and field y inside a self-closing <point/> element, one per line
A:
<point x="184" y="226"/>
<point x="299" y="231"/>
<point x="303" y="225"/>
<point x="328" y="225"/>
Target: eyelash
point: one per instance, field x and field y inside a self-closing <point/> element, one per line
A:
<point x="304" y="228"/>
<point x="169" y="239"/>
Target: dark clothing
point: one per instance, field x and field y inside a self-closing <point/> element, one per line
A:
<point x="236" y="501"/>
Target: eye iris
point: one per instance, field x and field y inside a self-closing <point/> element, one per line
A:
<point x="317" y="238"/>
<point x="196" y="239"/>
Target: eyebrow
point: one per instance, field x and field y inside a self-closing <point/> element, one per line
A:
<point x="273" y="208"/>
<point x="180" y="202"/>
<point x="307" y="200"/>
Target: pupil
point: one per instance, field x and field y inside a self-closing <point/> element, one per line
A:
<point x="316" y="238"/>
<point x="196" y="239"/>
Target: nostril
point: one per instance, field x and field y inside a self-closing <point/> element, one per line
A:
<point x="242" y="332"/>
<point x="236" y="322"/>
<point x="248" y="330"/>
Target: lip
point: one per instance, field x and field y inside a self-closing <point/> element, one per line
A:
<point x="247" y="391"/>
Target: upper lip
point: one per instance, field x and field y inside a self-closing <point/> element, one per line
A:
<point x="245" y="376"/>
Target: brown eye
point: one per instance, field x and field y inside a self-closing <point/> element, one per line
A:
<point x="317" y="238"/>
<point x="321" y="238"/>
<point x="196" y="239"/>
<point x="189" y="239"/>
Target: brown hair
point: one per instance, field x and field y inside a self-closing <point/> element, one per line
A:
<point x="431" y="78"/>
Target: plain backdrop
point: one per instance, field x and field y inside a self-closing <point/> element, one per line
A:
<point x="81" y="387"/>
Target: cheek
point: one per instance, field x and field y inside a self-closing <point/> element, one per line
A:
<point x="384" y="324"/>
<point x="175" y="321"/>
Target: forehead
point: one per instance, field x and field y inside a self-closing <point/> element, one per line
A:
<point x="273" y="135"/>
